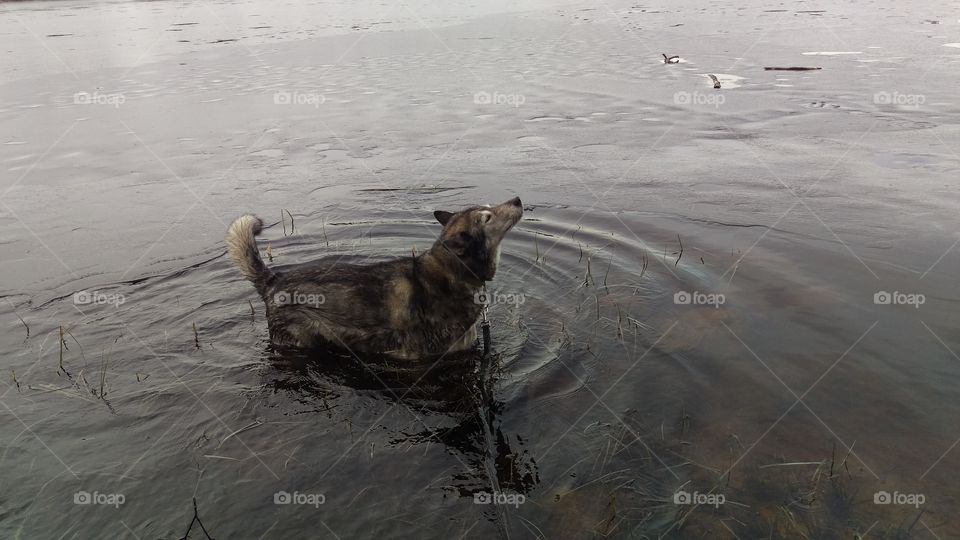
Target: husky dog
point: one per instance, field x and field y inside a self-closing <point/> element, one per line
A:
<point x="418" y="306"/>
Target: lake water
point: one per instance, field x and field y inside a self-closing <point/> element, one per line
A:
<point x="727" y="313"/>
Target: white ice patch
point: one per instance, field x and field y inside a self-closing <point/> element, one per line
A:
<point x="954" y="45"/>
<point x="831" y="53"/>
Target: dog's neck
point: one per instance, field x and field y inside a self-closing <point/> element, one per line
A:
<point x="440" y="270"/>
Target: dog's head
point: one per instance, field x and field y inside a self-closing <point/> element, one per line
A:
<point x="472" y="236"/>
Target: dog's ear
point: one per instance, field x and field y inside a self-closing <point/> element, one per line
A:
<point x="443" y="217"/>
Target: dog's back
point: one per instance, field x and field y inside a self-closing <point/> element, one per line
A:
<point x="378" y="308"/>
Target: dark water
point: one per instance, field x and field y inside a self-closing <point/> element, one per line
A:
<point x="697" y="288"/>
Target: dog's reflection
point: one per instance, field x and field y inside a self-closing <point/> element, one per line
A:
<point x="458" y="387"/>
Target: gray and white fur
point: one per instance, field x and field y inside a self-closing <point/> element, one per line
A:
<point x="416" y="306"/>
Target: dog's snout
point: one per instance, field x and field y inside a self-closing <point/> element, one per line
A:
<point x="515" y="201"/>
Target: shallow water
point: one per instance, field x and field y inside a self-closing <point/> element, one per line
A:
<point x="779" y="205"/>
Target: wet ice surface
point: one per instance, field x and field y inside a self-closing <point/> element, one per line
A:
<point x="797" y="195"/>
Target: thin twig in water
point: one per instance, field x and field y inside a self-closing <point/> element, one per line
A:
<point x="63" y="346"/>
<point x="25" y="326"/>
<point x="536" y="245"/>
<point x="619" y="322"/>
<point x="103" y="376"/>
<point x="844" y="462"/>
<point x="792" y="464"/>
<point x="212" y="456"/>
<point x="293" y="228"/>
<point x="253" y="313"/>
<point x="196" y="519"/>
<point x="82" y="354"/>
<point x="833" y="456"/>
<point x="681" y="252"/>
<point x="196" y="336"/>
<point x="538" y="534"/>
<point x="607" y="273"/>
<point x="920" y="515"/>
<point x="241" y="430"/>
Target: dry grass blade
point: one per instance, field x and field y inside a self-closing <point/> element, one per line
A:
<point x="249" y="426"/>
<point x="681" y="252"/>
<point x="24" y="323"/>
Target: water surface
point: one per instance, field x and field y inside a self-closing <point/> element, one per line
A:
<point x="704" y="273"/>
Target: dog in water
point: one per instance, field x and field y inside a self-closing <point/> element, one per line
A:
<point x="417" y="306"/>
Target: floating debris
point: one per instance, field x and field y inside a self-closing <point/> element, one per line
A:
<point x="716" y="81"/>
<point x="792" y="68"/>
<point x="670" y="59"/>
<point x="196" y="519"/>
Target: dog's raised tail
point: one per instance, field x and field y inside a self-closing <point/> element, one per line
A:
<point x="242" y="247"/>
